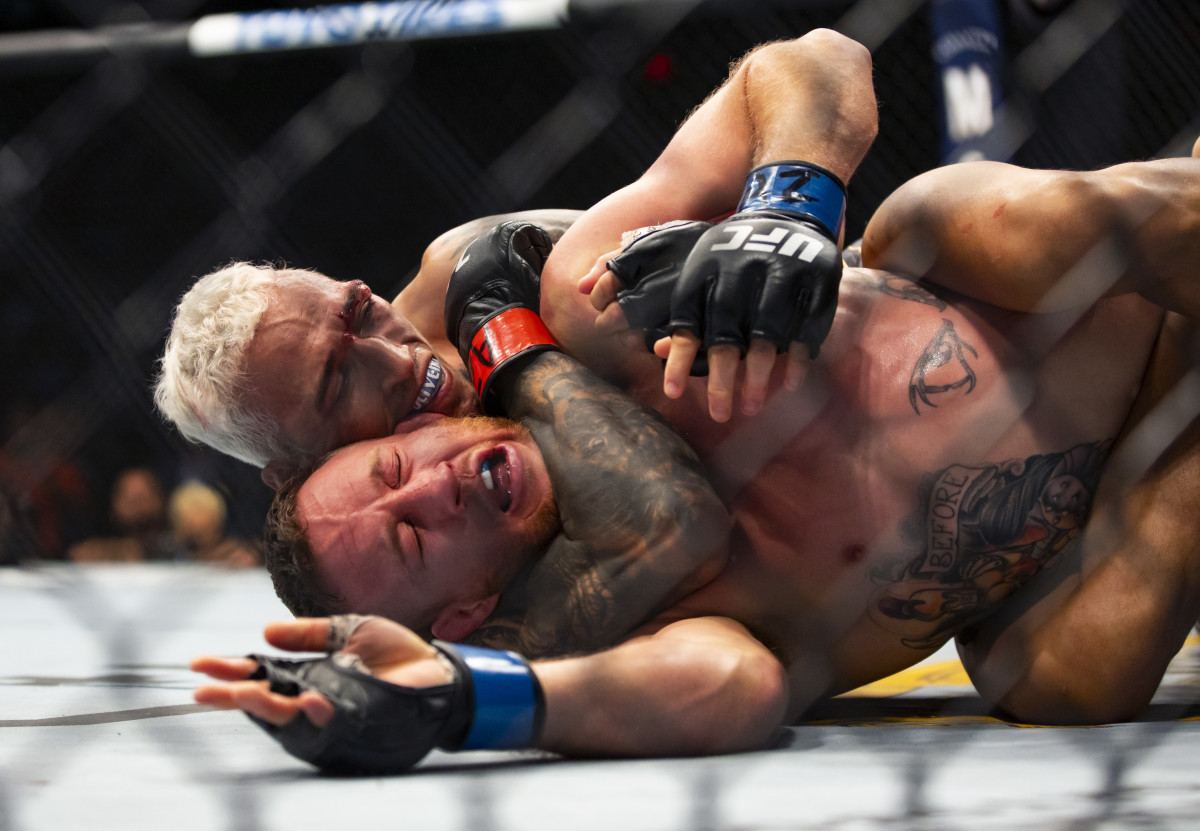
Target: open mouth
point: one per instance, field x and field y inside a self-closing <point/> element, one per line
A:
<point x="497" y="478"/>
<point x="435" y="374"/>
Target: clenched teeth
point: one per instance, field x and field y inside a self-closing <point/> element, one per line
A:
<point x="433" y="382"/>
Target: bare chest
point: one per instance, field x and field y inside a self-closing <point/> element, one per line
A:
<point x="942" y="459"/>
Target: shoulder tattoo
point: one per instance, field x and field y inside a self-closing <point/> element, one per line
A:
<point x="943" y="366"/>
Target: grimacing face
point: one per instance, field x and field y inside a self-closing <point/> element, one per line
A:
<point x="332" y="364"/>
<point x="428" y="526"/>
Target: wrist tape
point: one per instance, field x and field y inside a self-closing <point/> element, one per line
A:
<point x="502" y="693"/>
<point x="800" y="188"/>
<point x="508" y="333"/>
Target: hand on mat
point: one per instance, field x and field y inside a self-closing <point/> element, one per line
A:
<point x="389" y="651"/>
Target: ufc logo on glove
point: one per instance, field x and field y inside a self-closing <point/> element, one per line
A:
<point x="778" y="241"/>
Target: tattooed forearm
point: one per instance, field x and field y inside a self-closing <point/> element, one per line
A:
<point x="641" y="525"/>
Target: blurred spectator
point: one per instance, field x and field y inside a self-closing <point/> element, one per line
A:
<point x="17" y="544"/>
<point x="138" y="512"/>
<point x="46" y="501"/>
<point x="197" y="514"/>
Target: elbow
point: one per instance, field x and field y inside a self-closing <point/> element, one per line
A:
<point x="735" y="699"/>
<point x="834" y="76"/>
<point x="828" y="44"/>
<point x="819" y="51"/>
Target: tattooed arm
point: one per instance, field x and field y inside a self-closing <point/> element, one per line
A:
<point x="641" y="525"/>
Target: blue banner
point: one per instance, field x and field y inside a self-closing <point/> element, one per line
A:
<point x="968" y="51"/>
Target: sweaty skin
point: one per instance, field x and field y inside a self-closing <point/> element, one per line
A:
<point x="936" y="461"/>
<point x="449" y="522"/>
<point x="810" y="98"/>
<point x="1005" y="462"/>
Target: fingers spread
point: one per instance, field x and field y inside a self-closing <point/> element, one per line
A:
<point x="611" y="319"/>
<point x="600" y="284"/>
<point x="214" y="696"/>
<point x="684" y="347"/>
<point x="382" y="643"/>
<point x="304" y="634"/>
<point x="760" y="359"/>
<point x="255" y="699"/>
<point x="316" y="707"/>
<point x="722" y="371"/>
<point x="224" y="669"/>
<point x="797" y="366"/>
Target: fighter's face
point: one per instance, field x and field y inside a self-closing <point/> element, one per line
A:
<point x="332" y="364"/>
<point x="430" y="520"/>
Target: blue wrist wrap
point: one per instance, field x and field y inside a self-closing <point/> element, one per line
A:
<point x="507" y="698"/>
<point x="799" y="188"/>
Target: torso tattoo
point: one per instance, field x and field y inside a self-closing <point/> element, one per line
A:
<point x="979" y="533"/>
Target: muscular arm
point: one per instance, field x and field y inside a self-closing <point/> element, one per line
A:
<point x="699" y="685"/>
<point x="641" y="525"/>
<point x="809" y="98"/>
<point x="1047" y="239"/>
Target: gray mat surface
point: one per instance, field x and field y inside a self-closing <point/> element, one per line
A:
<point x="98" y="731"/>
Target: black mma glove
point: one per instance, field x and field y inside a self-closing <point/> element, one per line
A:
<point x="771" y="270"/>
<point x="492" y="304"/>
<point x="648" y="268"/>
<point x="494" y="703"/>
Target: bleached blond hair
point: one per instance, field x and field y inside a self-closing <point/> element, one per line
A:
<point x="201" y="386"/>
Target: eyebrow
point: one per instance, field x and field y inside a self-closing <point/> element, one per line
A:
<point x="393" y="533"/>
<point x="327" y="370"/>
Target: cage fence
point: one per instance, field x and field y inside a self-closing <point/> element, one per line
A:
<point x="129" y="166"/>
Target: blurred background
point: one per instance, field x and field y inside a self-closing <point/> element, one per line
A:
<point x="129" y="167"/>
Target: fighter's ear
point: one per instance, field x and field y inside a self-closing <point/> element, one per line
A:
<point x="461" y="619"/>
<point x="275" y="474"/>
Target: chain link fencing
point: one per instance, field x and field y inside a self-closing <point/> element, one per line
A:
<point x="128" y="167"/>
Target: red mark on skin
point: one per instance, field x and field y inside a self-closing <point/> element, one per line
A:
<point x="854" y="553"/>
<point x="966" y="229"/>
<point x="1000" y="211"/>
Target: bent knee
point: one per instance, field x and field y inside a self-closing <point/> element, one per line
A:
<point x="1050" y="692"/>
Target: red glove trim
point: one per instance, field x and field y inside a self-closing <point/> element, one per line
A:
<point x="509" y="333"/>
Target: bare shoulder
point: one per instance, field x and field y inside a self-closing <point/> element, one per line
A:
<point x="444" y="251"/>
<point x="421" y="300"/>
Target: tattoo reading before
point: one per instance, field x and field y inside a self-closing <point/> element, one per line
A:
<point x="979" y="534"/>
